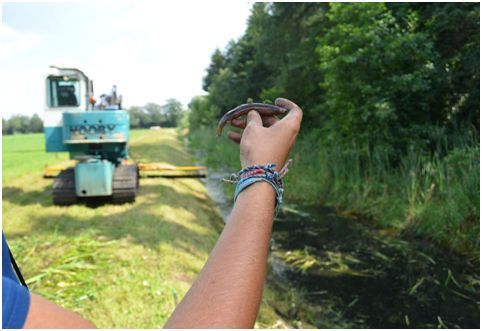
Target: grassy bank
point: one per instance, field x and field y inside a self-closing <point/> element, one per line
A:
<point x="121" y="266"/>
<point x="435" y="196"/>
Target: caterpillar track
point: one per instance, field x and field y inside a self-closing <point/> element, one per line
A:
<point x="64" y="188"/>
<point x="125" y="184"/>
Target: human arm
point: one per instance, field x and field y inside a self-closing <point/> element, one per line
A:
<point x="44" y="314"/>
<point x="228" y="290"/>
<point x="21" y="308"/>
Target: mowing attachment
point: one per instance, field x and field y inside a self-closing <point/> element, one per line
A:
<point x="146" y="169"/>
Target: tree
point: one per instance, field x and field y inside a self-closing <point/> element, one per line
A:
<point x="36" y="124"/>
<point x="201" y="113"/>
<point x="173" y="112"/>
<point x="376" y="76"/>
<point x="275" y="57"/>
<point x="367" y="74"/>
<point x="19" y="124"/>
<point x="287" y="45"/>
<point x="218" y="62"/>
<point x="5" y="127"/>
<point x="135" y="116"/>
<point x="155" y="115"/>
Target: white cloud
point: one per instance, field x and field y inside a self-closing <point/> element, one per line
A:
<point x="15" y="43"/>
<point x="22" y="92"/>
<point x="151" y="50"/>
<point x="160" y="50"/>
<point x="21" y="89"/>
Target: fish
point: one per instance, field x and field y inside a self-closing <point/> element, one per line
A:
<point x="261" y="108"/>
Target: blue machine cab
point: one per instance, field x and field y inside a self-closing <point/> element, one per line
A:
<point x="96" y="136"/>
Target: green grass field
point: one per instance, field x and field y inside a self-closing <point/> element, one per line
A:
<point x="122" y="266"/>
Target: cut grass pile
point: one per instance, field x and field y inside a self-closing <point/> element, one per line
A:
<point x="118" y="265"/>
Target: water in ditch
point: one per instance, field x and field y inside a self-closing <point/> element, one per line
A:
<point x="327" y="270"/>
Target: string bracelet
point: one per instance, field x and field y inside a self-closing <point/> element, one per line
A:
<point x="257" y="173"/>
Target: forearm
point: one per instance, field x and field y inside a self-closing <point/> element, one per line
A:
<point x="228" y="290"/>
<point x="44" y="314"/>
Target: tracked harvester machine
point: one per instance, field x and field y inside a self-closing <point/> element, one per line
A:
<point x="96" y="138"/>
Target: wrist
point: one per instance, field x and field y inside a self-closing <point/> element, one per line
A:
<point x="258" y="189"/>
<point x="259" y="197"/>
<point x="254" y="174"/>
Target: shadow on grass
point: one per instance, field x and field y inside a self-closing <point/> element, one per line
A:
<point x="163" y="213"/>
<point x="18" y="196"/>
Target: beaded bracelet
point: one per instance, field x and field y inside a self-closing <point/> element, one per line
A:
<point x="256" y="173"/>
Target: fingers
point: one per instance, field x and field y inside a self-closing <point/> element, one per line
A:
<point x="254" y="118"/>
<point x="234" y="136"/>
<point x="285" y="103"/>
<point x="268" y="120"/>
<point x="295" y="113"/>
<point x="238" y="123"/>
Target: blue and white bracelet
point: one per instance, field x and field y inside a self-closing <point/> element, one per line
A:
<point x="257" y="173"/>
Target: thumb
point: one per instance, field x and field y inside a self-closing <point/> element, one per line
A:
<point x="254" y="118"/>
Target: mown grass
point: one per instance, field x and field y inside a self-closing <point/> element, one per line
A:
<point x="118" y="265"/>
<point x="25" y="153"/>
<point x="433" y="195"/>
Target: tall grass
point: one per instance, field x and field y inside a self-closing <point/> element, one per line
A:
<point x="432" y="194"/>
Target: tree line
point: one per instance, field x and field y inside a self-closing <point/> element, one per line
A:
<point x="390" y="94"/>
<point x="22" y="124"/>
<point x="152" y="114"/>
<point x="168" y="115"/>
<point x="378" y="75"/>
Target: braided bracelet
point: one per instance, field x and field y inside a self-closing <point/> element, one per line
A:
<point x="256" y="173"/>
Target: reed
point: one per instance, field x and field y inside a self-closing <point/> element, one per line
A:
<point x="431" y="193"/>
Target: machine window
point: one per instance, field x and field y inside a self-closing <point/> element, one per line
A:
<point x="63" y="91"/>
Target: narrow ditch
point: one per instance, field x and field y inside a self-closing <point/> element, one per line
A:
<point x="331" y="271"/>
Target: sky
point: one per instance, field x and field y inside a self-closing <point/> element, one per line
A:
<point x="152" y="50"/>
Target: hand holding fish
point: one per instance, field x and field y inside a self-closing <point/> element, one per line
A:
<point x="265" y="138"/>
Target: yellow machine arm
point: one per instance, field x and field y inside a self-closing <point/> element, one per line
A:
<point x="146" y="169"/>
